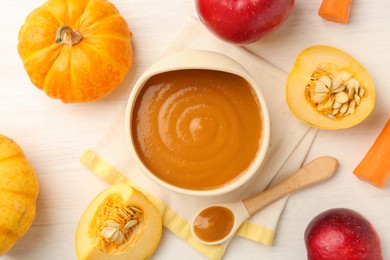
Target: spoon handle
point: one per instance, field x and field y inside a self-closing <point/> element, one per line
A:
<point x="312" y="173"/>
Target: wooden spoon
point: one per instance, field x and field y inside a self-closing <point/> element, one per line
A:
<point x="211" y="225"/>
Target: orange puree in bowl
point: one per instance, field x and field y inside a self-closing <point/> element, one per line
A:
<point x="196" y="129"/>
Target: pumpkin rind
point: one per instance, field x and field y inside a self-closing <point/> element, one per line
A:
<point x="89" y="241"/>
<point x="306" y="63"/>
<point x="18" y="193"/>
<point x="86" y="71"/>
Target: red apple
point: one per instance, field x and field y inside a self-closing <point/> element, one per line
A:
<point x="340" y="234"/>
<point x="243" y="21"/>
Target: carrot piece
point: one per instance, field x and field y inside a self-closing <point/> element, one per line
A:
<point x="335" y="10"/>
<point x="375" y="166"/>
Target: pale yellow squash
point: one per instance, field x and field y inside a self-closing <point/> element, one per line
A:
<point x="120" y="223"/>
<point x="310" y="66"/>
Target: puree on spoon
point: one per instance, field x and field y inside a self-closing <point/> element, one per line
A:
<point x="213" y="223"/>
<point x="196" y="129"/>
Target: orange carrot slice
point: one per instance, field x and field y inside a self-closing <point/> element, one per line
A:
<point x="335" y="10"/>
<point x="375" y="166"/>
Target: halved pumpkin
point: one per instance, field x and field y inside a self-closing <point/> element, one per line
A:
<point x="328" y="89"/>
<point x="120" y="223"/>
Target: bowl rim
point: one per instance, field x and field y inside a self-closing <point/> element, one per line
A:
<point x="166" y="64"/>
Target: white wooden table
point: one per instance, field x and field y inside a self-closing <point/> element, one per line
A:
<point x="55" y="135"/>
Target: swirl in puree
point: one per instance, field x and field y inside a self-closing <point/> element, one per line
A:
<point x="196" y="129"/>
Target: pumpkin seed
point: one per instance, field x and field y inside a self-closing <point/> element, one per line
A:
<point x="118" y="237"/>
<point x="321" y="88"/>
<point x="351" y="92"/>
<point x="331" y="116"/>
<point x="339" y="89"/>
<point x="344" y="76"/>
<point x="113" y="234"/>
<point x="319" y="97"/>
<point x="336" y="105"/>
<point x="351" y="107"/>
<point x="112" y="224"/>
<point x="343" y="109"/>
<point x="341" y="97"/>
<point x="333" y="92"/>
<point x="321" y="107"/>
<point x="130" y="224"/>
<point x="352" y="83"/>
<point x="136" y="209"/>
<point x="326" y="80"/>
<point x="108" y="232"/>
<point x="336" y="83"/>
<point x="335" y="112"/>
<point x="357" y="99"/>
<point x="361" y="92"/>
<point x="329" y="103"/>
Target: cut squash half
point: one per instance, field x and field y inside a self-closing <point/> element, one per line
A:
<point x="328" y="89"/>
<point x="120" y="223"/>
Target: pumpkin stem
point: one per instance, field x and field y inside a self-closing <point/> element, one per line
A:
<point x="68" y="36"/>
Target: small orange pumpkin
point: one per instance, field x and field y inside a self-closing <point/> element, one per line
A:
<point x="76" y="50"/>
<point x="18" y="193"/>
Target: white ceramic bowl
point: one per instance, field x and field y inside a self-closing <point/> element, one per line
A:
<point x="199" y="59"/>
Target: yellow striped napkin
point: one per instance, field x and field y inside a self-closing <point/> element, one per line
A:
<point x="290" y="142"/>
